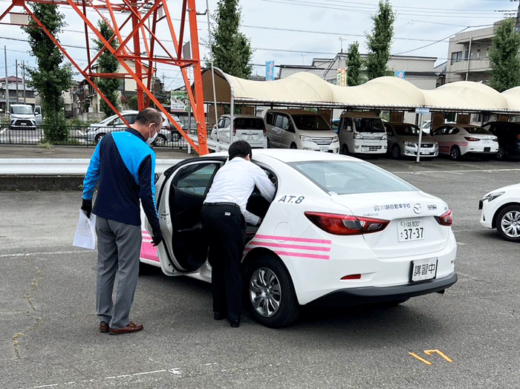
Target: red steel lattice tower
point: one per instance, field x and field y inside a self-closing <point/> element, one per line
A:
<point x="142" y="18"/>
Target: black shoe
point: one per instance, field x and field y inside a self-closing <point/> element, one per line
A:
<point x="234" y="323"/>
<point x="219" y="316"/>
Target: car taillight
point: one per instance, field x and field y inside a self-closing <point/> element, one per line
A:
<point x="518" y="136"/>
<point x="469" y="138"/>
<point x="446" y="219"/>
<point x="346" y="225"/>
<point x="234" y="129"/>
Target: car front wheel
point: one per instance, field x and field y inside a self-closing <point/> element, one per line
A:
<point x="501" y="154"/>
<point x="508" y="223"/>
<point x="396" y="152"/>
<point x="270" y="293"/>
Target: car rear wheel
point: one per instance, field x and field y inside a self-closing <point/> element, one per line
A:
<point x="344" y="150"/>
<point x="176" y="137"/>
<point x="455" y="153"/>
<point x="501" y="154"/>
<point x="268" y="143"/>
<point x="270" y="293"/>
<point x="396" y="152"/>
<point x="98" y="138"/>
<point x="508" y="223"/>
<point x="160" y="140"/>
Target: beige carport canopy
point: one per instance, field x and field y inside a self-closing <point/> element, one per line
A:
<point x="307" y="89"/>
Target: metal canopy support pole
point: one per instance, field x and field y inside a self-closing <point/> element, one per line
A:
<point x="6" y="83"/>
<point x="23" y="77"/>
<point x="16" y="72"/>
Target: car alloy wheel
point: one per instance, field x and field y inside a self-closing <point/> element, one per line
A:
<point x="270" y="291"/>
<point x="98" y="138"/>
<point x="508" y="223"/>
<point x="455" y="153"/>
<point x="160" y="140"/>
<point x="265" y="292"/>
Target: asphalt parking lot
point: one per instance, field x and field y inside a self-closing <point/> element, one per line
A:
<point x="466" y="338"/>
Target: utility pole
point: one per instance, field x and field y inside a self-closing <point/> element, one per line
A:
<point x="6" y="83"/>
<point x="23" y="77"/>
<point x="16" y="72"/>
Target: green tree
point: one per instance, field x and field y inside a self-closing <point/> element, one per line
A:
<point x="133" y="103"/>
<point x="108" y="64"/>
<point x="380" y="40"/>
<point x="354" y="65"/>
<point x="503" y="57"/>
<point x="230" y="48"/>
<point x="49" y="77"/>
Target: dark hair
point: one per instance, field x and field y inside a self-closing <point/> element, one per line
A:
<point x="149" y="115"/>
<point x="240" y="148"/>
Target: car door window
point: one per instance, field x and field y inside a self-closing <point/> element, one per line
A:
<point x="195" y="178"/>
<point x="226" y="122"/>
<point x="282" y="122"/>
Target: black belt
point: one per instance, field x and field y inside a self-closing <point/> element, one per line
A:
<point x="222" y="204"/>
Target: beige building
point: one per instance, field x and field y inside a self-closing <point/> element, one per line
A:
<point x="417" y="70"/>
<point x="468" y="55"/>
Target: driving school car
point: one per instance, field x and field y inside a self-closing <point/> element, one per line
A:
<point x="340" y="231"/>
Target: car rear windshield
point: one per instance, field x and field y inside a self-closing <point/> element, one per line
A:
<point x="476" y="130"/>
<point x="249" y="124"/>
<point x="369" y="125"/>
<point x="349" y="177"/>
<point x="311" y="122"/>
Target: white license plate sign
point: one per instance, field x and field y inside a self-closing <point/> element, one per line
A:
<point x="325" y="149"/>
<point x="408" y="230"/>
<point x="424" y="269"/>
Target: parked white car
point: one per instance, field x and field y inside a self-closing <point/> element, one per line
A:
<point x="250" y="128"/>
<point x="97" y="131"/>
<point x="362" y="133"/>
<point x="339" y="231"/>
<point x="458" y="140"/>
<point x="501" y="210"/>
<point x="298" y="129"/>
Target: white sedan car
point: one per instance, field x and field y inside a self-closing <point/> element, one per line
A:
<point x="501" y="210"/>
<point x="340" y="231"/>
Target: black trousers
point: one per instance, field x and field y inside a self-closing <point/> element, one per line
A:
<point x="225" y="231"/>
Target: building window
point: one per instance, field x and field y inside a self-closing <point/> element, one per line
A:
<point x="456" y="57"/>
<point x="478" y="54"/>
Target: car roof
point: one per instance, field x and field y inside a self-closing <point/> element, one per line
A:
<point x="400" y="124"/>
<point x="287" y="156"/>
<point x="359" y="115"/>
<point x="238" y="116"/>
<point x="293" y="111"/>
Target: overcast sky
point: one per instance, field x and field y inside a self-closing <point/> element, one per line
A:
<point x="293" y="32"/>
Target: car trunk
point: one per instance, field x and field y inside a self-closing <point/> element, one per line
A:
<point x="412" y="226"/>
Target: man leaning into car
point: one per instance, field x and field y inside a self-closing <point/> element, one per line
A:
<point x="224" y="218"/>
<point x="124" y="166"/>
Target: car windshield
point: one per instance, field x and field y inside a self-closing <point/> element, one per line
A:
<point x="369" y="125"/>
<point x="249" y="124"/>
<point x="349" y="177"/>
<point x="476" y="130"/>
<point x="311" y="122"/>
<point x="407" y="130"/>
<point x="22" y="110"/>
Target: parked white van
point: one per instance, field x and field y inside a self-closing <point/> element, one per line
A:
<point x="298" y="129"/>
<point x="362" y="133"/>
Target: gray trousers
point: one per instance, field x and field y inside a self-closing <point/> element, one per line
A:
<point x="119" y="246"/>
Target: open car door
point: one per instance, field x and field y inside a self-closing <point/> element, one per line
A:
<point x="180" y="194"/>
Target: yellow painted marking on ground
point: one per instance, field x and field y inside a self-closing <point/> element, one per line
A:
<point x="430" y="352"/>
<point x="420" y="359"/>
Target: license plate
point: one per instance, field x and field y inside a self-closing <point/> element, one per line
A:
<point x="325" y="149"/>
<point x="424" y="152"/>
<point x="424" y="269"/>
<point x="409" y="230"/>
<point x="23" y="124"/>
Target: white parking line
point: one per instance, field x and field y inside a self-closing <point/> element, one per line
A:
<point x="459" y="171"/>
<point x="43" y="253"/>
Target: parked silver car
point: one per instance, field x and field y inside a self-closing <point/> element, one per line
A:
<point x="97" y="131"/>
<point x="403" y="140"/>
<point x="250" y="128"/>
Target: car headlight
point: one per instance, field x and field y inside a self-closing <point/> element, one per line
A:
<point x="384" y="137"/>
<point x="358" y="136"/>
<point x="492" y="196"/>
<point x="335" y="139"/>
<point x="410" y="144"/>
<point x="305" y="138"/>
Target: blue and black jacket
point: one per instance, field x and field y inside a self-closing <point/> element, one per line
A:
<point x="124" y="165"/>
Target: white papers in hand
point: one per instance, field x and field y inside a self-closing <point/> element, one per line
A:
<point x="85" y="231"/>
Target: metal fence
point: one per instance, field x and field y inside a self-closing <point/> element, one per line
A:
<point x="77" y="135"/>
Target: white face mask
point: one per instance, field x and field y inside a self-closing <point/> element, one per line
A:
<point x="150" y="139"/>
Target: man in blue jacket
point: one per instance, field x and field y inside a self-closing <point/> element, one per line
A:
<point x="123" y="165"/>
